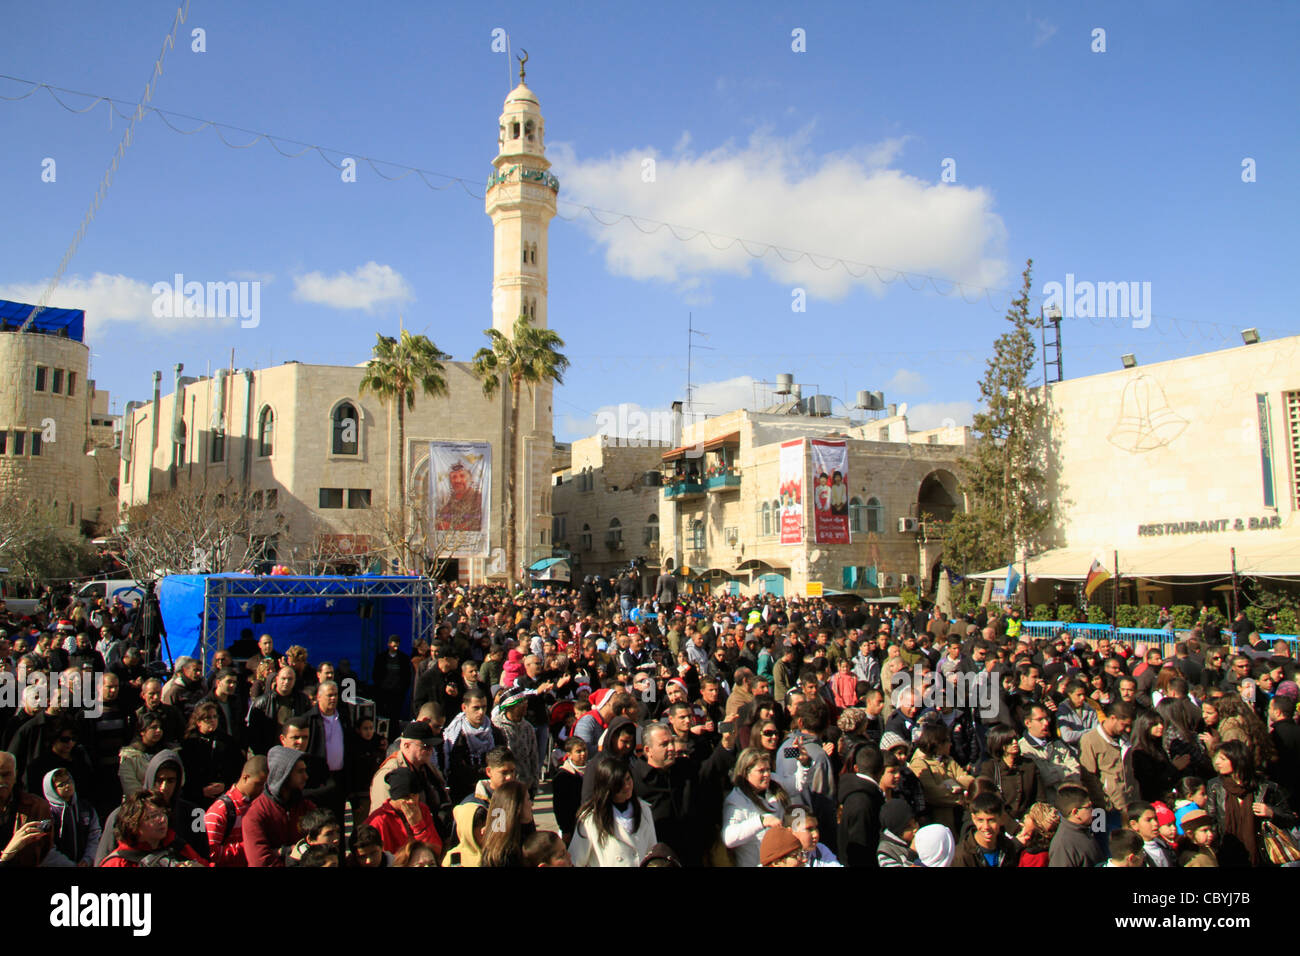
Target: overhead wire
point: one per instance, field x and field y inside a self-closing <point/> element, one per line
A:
<point x="754" y="248"/>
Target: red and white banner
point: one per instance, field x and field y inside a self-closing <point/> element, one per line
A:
<point x="791" y="492"/>
<point x="830" y="497"/>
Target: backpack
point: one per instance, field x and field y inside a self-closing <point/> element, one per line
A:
<point x="232" y="815"/>
<point x="171" y="855"/>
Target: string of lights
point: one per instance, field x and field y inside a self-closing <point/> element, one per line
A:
<point x="970" y="293"/>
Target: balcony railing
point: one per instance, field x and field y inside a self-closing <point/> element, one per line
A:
<point x="722" y="481"/>
<point x="679" y="488"/>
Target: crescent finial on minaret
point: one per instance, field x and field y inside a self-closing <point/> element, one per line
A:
<point x="522" y="60"/>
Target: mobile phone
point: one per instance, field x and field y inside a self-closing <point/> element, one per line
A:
<point x="727" y="727"/>
<point x="46" y="826"/>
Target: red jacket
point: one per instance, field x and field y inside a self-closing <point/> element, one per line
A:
<point x="396" y="832"/>
<point x="226" y="836"/>
<point x="269" y="827"/>
<point x="180" y="848"/>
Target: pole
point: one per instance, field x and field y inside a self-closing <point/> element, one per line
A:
<point x="1114" y="604"/>
<point x="1234" y="593"/>
<point x="1024" y="594"/>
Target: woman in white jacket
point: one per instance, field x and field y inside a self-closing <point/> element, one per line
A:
<point x="756" y="804"/>
<point x="614" y="828"/>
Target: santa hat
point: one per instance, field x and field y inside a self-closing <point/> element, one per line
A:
<point x="679" y="682"/>
<point x="599" y="697"/>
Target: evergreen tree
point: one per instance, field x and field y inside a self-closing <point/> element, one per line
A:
<point x="1006" y="475"/>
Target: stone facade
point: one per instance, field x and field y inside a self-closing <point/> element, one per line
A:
<point x="67" y="458"/>
<point x="301" y="400"/>
<point x="606" y="482"/>
<point x="719" y="537"/>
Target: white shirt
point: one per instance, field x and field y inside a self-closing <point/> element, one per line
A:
<point x="333" y="742"/>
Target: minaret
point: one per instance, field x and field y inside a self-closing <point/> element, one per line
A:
<point x="521" y="201"/>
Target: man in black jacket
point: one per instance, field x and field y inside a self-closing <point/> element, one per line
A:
<point x="332" y="748"/>
<point x="269" y="712"/>
<point x="392" y="679"/>
<point x="668" y="785"/>
<point x="231" y="718"/>
<point x="442" y="682"/>
<point x="1286" y="738"/>
<point x="860" y="801"/>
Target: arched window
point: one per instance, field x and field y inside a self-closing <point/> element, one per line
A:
<point x="767" y="519"/>
<point x="697" y="534"/>
<point x="856" y="516"/>
<point x="875" y="516"/>
<point x="586" y="537"/>
<point x="514" y="130"/>
<point x="528" y="129"/>
<point x="614" y="536"/>
<point x="265" y="433"/>
<point x="345" y="429"/>
<point x="652" y="530"/>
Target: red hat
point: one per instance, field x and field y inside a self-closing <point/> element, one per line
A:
<point x="599" y="697"/>
<point x="1164" y="815"/>
<point x="633" y="630"/>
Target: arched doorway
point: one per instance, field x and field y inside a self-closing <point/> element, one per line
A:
<point x="938" y="498"/>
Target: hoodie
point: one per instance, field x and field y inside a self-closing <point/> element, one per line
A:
<point x="589" y="776"/>
<point x="860" y="802"/>
<point x="467" y="852"/>
<point x="271" y="824"/>
<point x="186" y="817"/>
<point x="75" y="830"/>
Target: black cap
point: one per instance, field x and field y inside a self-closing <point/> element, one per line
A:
<point x="401" y="783"/>
<point x="895" y="815"/>
<point x="417" y="730"/>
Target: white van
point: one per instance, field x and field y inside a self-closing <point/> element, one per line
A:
<point x="127" y="589"/>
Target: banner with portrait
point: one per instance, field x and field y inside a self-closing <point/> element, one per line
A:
<point x="830" y="497"/>
<point x="460" y="498"/>
<point x="791" y="492"/>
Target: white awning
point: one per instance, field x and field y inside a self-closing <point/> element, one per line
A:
<point x="1256" y="557"/>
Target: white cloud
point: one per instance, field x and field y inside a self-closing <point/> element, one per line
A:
<point x="771" y="190"/>
<point x="939" y="415"/>
<point x="364" y="288"/>
<point x="107" y="299"/>
<point x="654" y="423"/>
<point x="907" y="382"/>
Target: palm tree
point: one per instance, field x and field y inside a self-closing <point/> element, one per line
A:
<point x="398" y="367"/>
<point x="528" y="356"/>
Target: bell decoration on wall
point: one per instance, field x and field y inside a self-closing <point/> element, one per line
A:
<point x="1146" y="422"/>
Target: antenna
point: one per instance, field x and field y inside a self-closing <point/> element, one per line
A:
<point x="691" y="332"/>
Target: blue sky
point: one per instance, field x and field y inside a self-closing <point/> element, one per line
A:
<point x="1115" y="166"/>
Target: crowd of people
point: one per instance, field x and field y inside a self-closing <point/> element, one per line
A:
<point x="665" y="729"/>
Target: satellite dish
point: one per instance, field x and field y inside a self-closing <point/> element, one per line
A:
<point x="902" y="409"/>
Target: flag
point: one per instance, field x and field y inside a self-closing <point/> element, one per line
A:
<point x="1013" y="580"/>
<point x="953" y="577"/>
<point x="1096" y="575"/>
